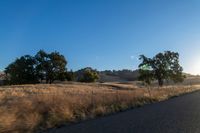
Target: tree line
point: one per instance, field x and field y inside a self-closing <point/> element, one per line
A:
<point x="49" y="67"/>
<point x="45" y="67"/>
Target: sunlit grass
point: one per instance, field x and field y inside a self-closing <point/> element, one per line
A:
<point x="27" y="108"/>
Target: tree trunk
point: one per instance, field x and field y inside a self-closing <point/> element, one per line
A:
<point x="160" y="82"/>
<point x="51" y="81"/>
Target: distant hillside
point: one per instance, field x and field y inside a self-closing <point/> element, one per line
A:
<point x="129" y="75"/>
<point x="118" y="76"/>
<point x="190" y="75"/>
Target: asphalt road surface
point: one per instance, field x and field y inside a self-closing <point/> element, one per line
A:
<point x="177" y="115"/>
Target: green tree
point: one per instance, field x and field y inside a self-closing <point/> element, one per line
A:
<point x="66" y="75"/>
<point x="87" y="75"/>
<point x="50" y="66"/>
<point x="70" y="76"/>
<point x="163" y="66"/>
<point x="42" y="59"/>
<point x="22" y="71"/>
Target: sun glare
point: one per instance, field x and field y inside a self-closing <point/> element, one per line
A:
<point x="194" y="67"/>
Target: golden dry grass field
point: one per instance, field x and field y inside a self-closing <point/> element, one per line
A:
<point x="29" y="108"/>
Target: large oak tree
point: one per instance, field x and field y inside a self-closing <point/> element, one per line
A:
<point x="50" y="66"/>
<point x="163" y="66"/>
<point x="22" y="71"/>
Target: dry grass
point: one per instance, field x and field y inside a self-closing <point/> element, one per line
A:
<point x="27" y="108"/>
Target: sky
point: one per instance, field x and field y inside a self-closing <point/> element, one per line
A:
<point x="103" y="34"/>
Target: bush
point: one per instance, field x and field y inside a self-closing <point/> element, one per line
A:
<point x="87" y="75"/>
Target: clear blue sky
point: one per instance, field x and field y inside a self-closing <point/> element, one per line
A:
<point x="104" y="34"/>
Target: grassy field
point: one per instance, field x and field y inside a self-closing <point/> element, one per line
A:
<point x="29" y="108"/>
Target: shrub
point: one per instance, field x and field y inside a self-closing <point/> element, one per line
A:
<point x="87" y="75"/>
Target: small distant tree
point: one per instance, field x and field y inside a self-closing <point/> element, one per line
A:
<point x="163" y="66"/>
<point x="67" y="75"/>
<point x="50" y="66"/>
<point x="22" y="71"/>
<point x="87" y="75"/>
<point x="70" y="76"/>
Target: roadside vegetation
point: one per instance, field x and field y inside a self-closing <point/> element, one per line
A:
<point x="31" y="108"/>
<point x="45" y="68"/>
<point x="29" y="105"/>
<point x="162" y="67"/>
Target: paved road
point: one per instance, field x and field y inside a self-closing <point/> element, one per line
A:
<point x="177" y="115"/>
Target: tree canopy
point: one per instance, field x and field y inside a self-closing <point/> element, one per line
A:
<point x="163" y="66"/>
<point x="43" y="66"/>
<point x="50" y="66"/>
<point x="87" y="75"/>
<point x="22" y="71"/>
